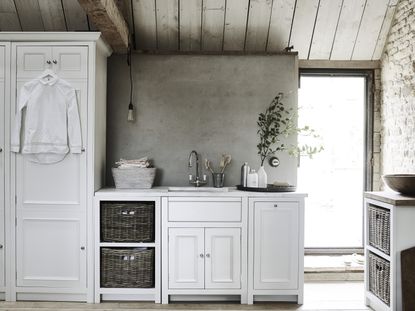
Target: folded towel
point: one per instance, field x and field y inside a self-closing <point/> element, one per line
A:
<point x="137" y="163"/>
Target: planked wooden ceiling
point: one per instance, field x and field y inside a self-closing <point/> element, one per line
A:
<point x="318" y="29"/>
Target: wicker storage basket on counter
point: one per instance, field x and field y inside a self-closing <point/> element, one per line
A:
<point x="127" y="268"/>
<point x="133" y="178"/>
<point x="379" y="228"/>
<point x="379" y="277"/>
<point x="127" y="222"/>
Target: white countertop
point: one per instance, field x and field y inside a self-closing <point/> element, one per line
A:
<point x="165" y="192"/>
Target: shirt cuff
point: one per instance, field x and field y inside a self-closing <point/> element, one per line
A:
<point x="76" y="149"/>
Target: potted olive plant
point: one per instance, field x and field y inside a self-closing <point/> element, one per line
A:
<point x="276" y="123"/>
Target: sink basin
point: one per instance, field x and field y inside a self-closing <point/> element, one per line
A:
<point x="197" y="189"/>
<point x="402" y="183"/>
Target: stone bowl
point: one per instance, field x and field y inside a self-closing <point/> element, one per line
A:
<point x="402" y="183"/>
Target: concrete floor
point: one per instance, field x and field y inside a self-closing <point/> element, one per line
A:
<point x="318" y="296"/>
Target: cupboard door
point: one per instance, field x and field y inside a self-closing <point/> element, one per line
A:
<point x="59" y="185"/>
<point x="32" y="60"/>
<point x="186" y="258"/>
<point x="60" y="189"/>
<point x="70" y="62"/>
<point x="276" y="243"/>
<point x="222" y="258"/>
<point x="2" y="164"/>
<point x="51" y="250"/>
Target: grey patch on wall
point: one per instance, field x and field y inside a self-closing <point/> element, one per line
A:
<point x="206" y="103"/>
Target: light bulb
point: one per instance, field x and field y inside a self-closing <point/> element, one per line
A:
<point x="130" y="112"/>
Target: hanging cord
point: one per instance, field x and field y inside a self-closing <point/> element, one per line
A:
<point x="130" y="106"/>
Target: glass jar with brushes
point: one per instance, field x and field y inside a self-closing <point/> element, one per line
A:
<point x="218" y="178"/>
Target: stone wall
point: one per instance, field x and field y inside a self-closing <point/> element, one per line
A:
<point x="398" y="93"/>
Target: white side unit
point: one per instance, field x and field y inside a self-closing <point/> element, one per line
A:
<point x="276" y="249"/>
<point x="127" y="293"/>
<point x="389" y="229"/>
<point x="204" y="247"/>
<point x="52" y="203"/>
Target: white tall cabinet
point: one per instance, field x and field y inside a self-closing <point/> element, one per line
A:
<point x="51" y="205"/>
<point x="4" y="97"/>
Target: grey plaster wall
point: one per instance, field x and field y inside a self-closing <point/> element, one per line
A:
<point x="207" y="103"/>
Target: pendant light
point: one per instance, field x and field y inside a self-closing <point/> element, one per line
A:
<point x="130" y="116"/>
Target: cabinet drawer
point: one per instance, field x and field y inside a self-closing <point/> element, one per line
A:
<point x="215" y="211"/>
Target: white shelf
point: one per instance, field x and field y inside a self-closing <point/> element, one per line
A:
<point x="121" y="244"/>
<point x="128" y="291"/>
<point x="378" y="252"/>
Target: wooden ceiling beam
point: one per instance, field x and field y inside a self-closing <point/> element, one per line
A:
<point x="107" y="17"/>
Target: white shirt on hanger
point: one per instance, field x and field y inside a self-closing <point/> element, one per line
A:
<point x="51" y="126"/>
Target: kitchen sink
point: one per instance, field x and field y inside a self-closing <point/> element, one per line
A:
<point x="197" y="189"/>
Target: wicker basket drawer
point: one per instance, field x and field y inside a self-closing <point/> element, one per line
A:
<point x="127" y="268"/>
<point x="379" y="228"/>
<point x="379" y="277"/>
<point x="127" y="221"/>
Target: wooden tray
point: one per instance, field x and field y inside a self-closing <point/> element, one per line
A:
<point x="269" y="188"/>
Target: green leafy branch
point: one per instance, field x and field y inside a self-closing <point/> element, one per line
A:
<point x="276" y="123"/>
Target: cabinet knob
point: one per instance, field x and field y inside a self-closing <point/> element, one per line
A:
<point x="275" y="205"/>
<point x="1" y="149"/>
<point x="83" y="149"/>
<point x="207" y="255"/>
<point x="201" y="255"/>
<point x="48" y="62"/>
<point x="55" y="61"/>
<point x="82" y="248"/>
<point x="1" y="246"/>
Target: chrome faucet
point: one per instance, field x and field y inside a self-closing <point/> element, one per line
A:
<point x="196" y="181"/>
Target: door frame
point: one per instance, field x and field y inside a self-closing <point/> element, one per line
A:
<point x="368" y="75"/>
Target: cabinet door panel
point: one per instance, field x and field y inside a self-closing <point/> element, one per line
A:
<point x="186" y="265"/>
<point x="61" y="184"/>
<point x="71" y="61"/>
<point x="49" y="249"/>
<point x="2" y="164"/>
<point x="32" y="60"/>
<point x="223" y="258"/>
<point x="276" y="242"/>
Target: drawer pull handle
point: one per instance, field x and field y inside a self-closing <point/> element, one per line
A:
<point x="275" y="205"/>
<point x="82" y="248"/>
<point x="201" y="255"/>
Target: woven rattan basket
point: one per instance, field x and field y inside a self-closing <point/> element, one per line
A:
<point x="127" y="268"/>
<point x="379" y="277"/>
<point x="133" y="178"/>
<point x="379" y="228"/>
<point x="127" y="222"/>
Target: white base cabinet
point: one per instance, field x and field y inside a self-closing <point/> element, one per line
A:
<point x="276" y="248"/>
<point x="50" y="206"/>
<point x="204" y="242"/>
<point x="103" y="293"/>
